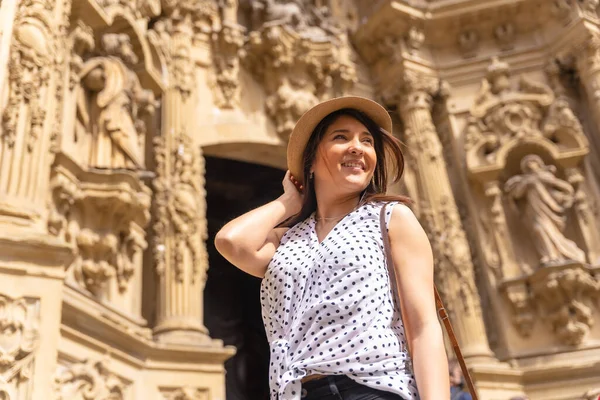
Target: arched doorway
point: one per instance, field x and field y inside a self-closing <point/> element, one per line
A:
<point x="231" y="297"/>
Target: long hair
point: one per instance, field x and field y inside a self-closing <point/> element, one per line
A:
<point x="389" y="155"/>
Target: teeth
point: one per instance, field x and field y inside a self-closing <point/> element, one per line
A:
<point x="352" y="165"/>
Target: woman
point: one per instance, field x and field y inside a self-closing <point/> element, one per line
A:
<point x="333" y="327"/>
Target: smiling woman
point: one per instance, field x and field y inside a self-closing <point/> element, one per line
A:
<point x="333" y="326"/>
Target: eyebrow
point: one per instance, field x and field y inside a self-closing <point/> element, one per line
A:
<point x="348" y="131"/>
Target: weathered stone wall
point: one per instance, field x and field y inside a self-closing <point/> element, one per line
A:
<point x="109" y="107"/>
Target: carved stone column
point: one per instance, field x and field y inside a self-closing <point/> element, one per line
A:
<point x="179" y="207"/>
<point x="454" y="268"/>
<point x="29" y="126"/>
<point x="584" y="215"/>
<point x="588" y="68"/>
<point x="500" y="231"/>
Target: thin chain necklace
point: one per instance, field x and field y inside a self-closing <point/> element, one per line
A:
<point x="343" y="215"/>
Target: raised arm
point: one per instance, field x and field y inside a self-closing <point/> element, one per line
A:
<point x="413" y="260"/>
<point x="250" y="241"/>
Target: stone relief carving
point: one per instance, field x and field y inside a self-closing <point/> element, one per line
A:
<point x="300" y="56"/>
<point x="414" y="39"/>
<point x="180" y="23"/>
<point x="188" y="393"/>
<point x="227" y="46"/>
<point x="111" y="106"/>
<point x="502" y="116"/>
<point x="546" y="199"/>
<point x="565" y="296"/>
<point x="102" y="215"/>
<point x="19" y="337"/>
<point x="506" y="121"/>
<point x="562" y="9"/>
<point x="180" y="208"/>
<point x="82" y="41"/>
<point x="88" y="380"/>
<point x="505" y="35"/>
<point x="28" y="106"/>
<point x="137" y="8"/>
<point x="468" y="42"/>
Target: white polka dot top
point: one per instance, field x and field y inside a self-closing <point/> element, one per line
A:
<point x="328" y="308"/>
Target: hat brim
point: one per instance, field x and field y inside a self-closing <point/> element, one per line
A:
<point x="310" y="119"/>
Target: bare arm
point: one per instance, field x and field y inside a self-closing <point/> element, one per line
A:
<point x="413" y="260"/>
<point x="250" y="241"/>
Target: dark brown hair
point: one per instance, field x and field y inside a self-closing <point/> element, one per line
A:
<point x="389" y="154"/>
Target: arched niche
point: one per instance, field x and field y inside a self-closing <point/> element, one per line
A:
<point x="150" y="65"/>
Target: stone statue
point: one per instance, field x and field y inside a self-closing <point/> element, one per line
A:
<point x="110" y="103"/>
<point x="546" y="200"/>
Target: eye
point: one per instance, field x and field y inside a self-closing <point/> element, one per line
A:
<point x="368" y="140"/>
<point x="339" y="136"/>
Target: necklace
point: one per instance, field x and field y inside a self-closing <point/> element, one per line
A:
<point x="343" y="215"/>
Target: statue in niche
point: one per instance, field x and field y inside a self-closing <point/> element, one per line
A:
<point x="546" y="200"/>
<point x="111" y="105"/>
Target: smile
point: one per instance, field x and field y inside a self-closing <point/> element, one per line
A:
<point x="354" y="164"/>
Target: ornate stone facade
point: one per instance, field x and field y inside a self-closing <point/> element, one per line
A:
<point x="111" y="111"/>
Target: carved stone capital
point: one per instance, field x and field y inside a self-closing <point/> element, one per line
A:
<point x="414" y="91"/>
<point x="560" y="295"/>
<point x="100" y="214"/>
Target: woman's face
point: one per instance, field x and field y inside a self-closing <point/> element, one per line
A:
<point x="346" y="157"/>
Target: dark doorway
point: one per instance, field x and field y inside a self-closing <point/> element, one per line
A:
<point x="231" y="298"/>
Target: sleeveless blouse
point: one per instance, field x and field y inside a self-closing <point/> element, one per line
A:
<point x="328" y="308"/>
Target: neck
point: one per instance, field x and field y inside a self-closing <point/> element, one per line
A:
<point x="332" y="206"/>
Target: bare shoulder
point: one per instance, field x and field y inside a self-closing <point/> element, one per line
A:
<point x="404" y="225"/>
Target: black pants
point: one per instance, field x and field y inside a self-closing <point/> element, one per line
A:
<point x="342" y="388"/>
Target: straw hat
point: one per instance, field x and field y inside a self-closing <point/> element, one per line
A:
<point x="308" y="122"/>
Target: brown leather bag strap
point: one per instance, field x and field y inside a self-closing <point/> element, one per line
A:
<point x="438" y="302"/>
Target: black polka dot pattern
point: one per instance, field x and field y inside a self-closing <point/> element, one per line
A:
<point x="328" y="308"/>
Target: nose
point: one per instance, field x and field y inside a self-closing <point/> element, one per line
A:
<point x="356" y="146"/>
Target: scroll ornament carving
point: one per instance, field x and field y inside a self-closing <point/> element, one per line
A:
<point x="546" y="199"/>
<point x="590" y="7"/>
<point x="89" y="380"/>
<point x="180" y="208"/>
<point x="227" y="46"/>
<point x="33" y="53"/>
<point x="564" y="297"/>
<point x="137" y="8"/>
<point x="468" y="42"/>
<point x="505" y="35"/>
<point x="102" y="216"/>
<point x="175" y="43"/>
<point x="300" y="56"/>
<point x="502" y="117"/>
<point x="82" y="41"/>
<point x="188" y="393"/>
<point x="19" y="336"/>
